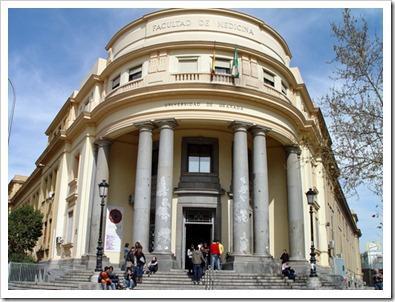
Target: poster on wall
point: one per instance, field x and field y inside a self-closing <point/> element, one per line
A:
<point x="114" y="229"/>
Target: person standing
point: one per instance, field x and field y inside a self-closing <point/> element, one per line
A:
<point x="197" y="260"/>
<point x="189" y="265"/>
<point x="205" y="251"/>
<point x="214" y="252"/>
<point x="284" y="257"/>
<point x="125" y="256"/>
<point x="139" y="262"/>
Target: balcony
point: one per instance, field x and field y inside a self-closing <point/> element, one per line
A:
<point x="195" y="77"/>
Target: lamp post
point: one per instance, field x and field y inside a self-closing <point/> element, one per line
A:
<point x="310" y="194"/>
<point x="103" y="188"/>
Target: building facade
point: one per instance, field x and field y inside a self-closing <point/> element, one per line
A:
<point x="203" y="131"/>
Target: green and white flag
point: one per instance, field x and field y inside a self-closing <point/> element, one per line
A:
<point x="235" y="64"/>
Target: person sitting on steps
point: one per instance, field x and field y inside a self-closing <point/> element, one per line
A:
<point x="152" y="266"/>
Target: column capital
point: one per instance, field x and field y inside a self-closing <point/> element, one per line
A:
<point x="240" y="126"/>
<point x="166" y="123"/>
<point x="144" y="125"/>
<point x="260" y="130"/>
<point x="293" y="149"/>
<point x="102" y="142"/>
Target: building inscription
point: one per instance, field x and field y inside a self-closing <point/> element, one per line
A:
<point x="199" y="104"/>
<point x="202" y="23"/>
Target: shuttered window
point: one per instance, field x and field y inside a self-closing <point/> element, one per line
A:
<point x="222" y="66"/>
<point x="187" y="65"/>
<point x="116" y="82"/>
<point x="135" y="73"/>
<point x="268" y="78"/>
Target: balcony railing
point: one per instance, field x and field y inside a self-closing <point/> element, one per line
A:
<point x="128" y="86"/>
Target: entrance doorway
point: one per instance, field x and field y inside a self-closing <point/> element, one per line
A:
<point x="198" y="228"/>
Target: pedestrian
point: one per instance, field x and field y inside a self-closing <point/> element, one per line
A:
<point x="125" y="255"/>
<point x="130" y="278"/>
<point x="152" y="267"/>
<point x="130" y="258"/>
<point x="221" y="252"/>
<point x="139" y="262"/>
<point x="189" y="265"/>
<point x="214" y="252"/>
<point x="114" y="278"/>
<point x="104" y="279"/>
<point x="197" y="260"/>
<point x="205" y="251"/>
<point x="284" y="256"/>
<point x="377" y="280"/>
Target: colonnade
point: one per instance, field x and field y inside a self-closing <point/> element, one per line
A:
<point x="241" y="194"/>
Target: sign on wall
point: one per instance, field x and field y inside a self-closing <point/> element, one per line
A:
<point x="114" y="229"/>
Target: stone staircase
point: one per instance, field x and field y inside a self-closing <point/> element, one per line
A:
<point x="173" y="280"/>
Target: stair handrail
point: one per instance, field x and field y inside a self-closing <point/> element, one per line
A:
<point x="209" y="278"/>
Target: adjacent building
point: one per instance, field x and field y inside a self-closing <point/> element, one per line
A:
<point x="203" y="131"/>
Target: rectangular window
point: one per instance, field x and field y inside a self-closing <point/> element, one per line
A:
<point x="135" y="73"/>
<point x="69" y="230"/>
<point x="284" y="88"/>
<point x="268" y="78"/>
<point x="199" y="158"/>
<point x="187" y="65"/>
<point x="116" y="82"/>
<point x="222" y="66"/>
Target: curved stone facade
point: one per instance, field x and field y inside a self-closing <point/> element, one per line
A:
<point x="193" y="150"/>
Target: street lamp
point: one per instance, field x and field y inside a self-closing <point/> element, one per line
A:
<point x="103" y="188"/>
<point x="310" y="194"/>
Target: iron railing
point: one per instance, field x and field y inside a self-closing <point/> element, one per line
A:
<point x="33" y="272"/>
<point x="209" y="278"/>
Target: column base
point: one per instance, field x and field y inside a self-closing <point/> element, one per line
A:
<point x="313" y="283"/>
<point x="166" y="261"/>
<point x="252" y="264"/>
<point x="89" y="261"/>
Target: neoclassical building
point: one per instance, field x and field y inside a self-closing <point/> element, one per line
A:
<point x="203" y="131"/>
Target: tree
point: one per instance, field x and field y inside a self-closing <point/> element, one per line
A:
<point x="24" y="229"/>
<point x="354" y="105"/>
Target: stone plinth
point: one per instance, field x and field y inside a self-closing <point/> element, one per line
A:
<point x="252" y="264"/>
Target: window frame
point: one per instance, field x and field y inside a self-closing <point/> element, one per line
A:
<point x="185" y="59"/>
<point x="114" y="86"/>
<point x="139" y="71"/>
<point x="268" y="81"/>
<point x="218" y="67"/>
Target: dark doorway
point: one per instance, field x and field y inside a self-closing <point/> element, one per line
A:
<point x="196" y="234"/>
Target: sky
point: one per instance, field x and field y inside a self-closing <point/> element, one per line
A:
<point x="50" y="52"/>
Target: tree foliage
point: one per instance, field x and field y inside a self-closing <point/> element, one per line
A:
<point x="24" y="229"/>
<point x="355" y="104"/>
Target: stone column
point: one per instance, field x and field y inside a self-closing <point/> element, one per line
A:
<point x="261" y="192"/>
<point x="295" y="204"/>
<point x="164" y="188"/>
<point x="102" y="172"/>
<point x="241" y="195"/>
<point x="142" y="191"/>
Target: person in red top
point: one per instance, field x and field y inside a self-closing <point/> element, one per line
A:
<point x="214" y="252"/>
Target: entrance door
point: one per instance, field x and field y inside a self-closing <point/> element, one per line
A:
<point x="199" y="228"/>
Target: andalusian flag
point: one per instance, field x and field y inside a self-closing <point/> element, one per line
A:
<point x="235" y="65"/>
